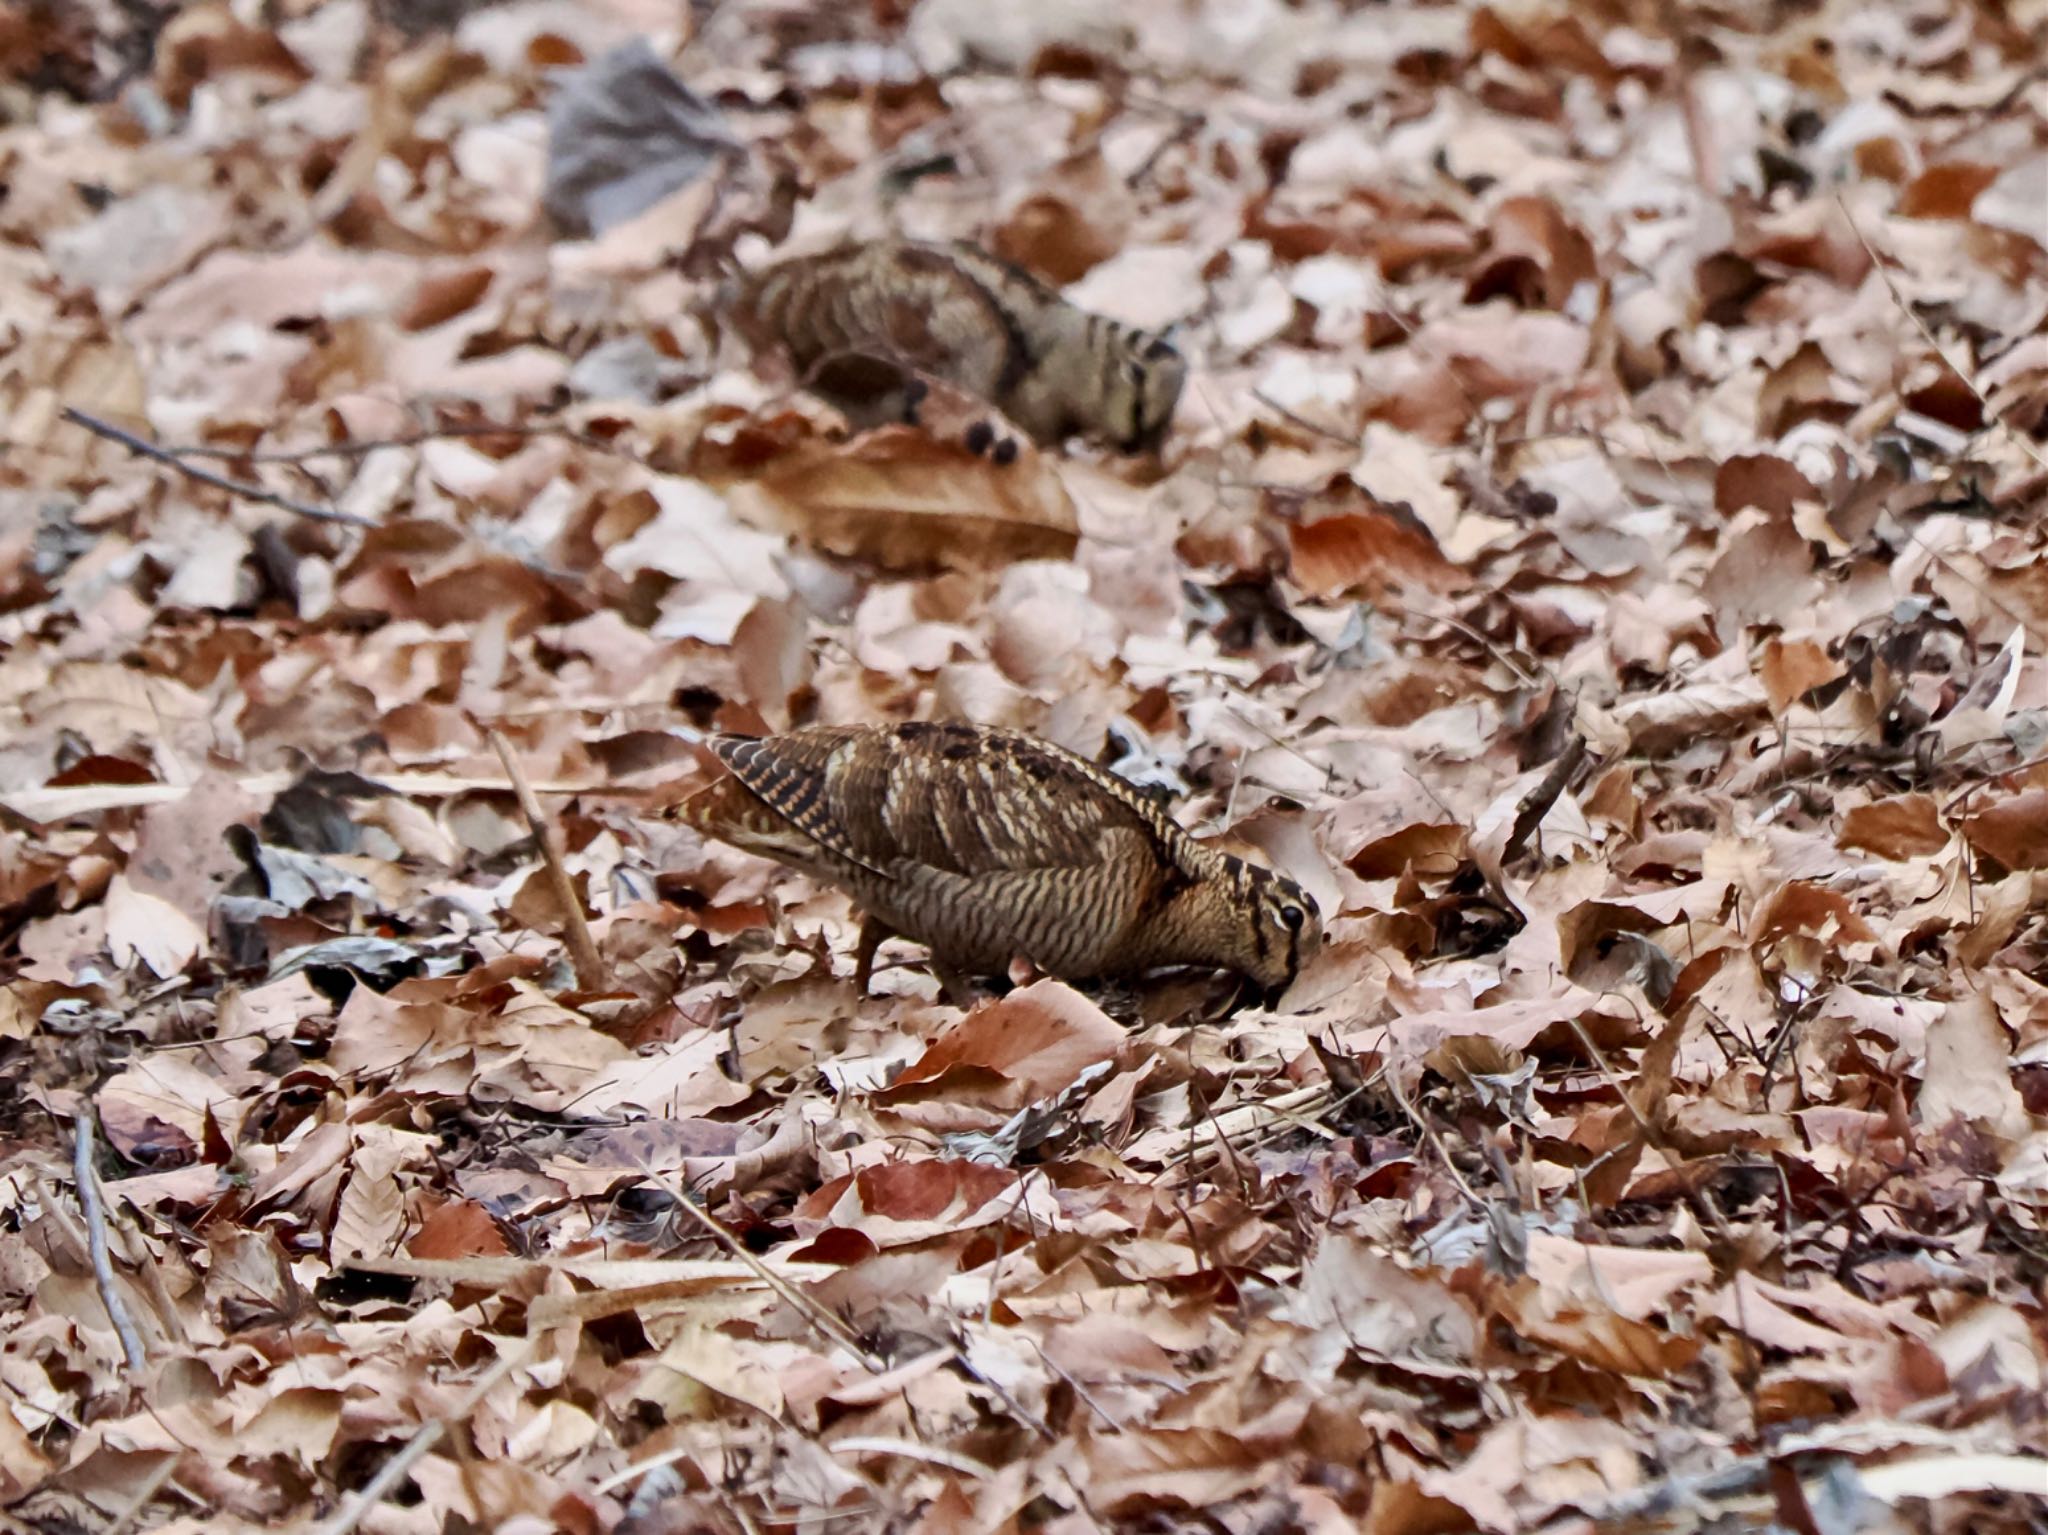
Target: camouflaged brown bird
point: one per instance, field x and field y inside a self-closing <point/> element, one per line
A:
<point x="859" y="322"/>
<point x="989" y="845"/>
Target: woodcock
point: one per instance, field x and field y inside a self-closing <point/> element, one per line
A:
<point x="989" y="845"/>
<point x="853" y="320"/>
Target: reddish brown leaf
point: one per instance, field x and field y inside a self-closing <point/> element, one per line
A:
<point x="461" y="1228"/>
<point x="1793" y="668"/>
<point x="1371" y="552"/>
<point x="2014" y="831"/>
<point x="1903" y="826"/>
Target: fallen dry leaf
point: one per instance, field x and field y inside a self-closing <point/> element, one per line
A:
<point x="896" y="499"/>
<point x="1903" y="826"/>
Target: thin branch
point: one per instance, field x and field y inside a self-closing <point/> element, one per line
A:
<point x="1243" y="1122"/>
<point x="1991" y="599"/>
<point x="1109" y="1419"/>
<point x="243" y="488"/>
<point x="821" y="1319"/>
<point x="1295" y="418"/>
<point x="1457" y="625"/>
<point x="425" y="1437"/>
<point x="363" y="447"/>
<point x="1932" y="340"/>
<point x="1435" y="1141"/>
<point x="96" y="1240"/>
<point x="1536" y="803"/>
<point x="1651" y="1134"/>
<point x="575" y="930"/>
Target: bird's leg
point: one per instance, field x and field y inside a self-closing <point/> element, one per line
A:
<point x="959" y="990"/>
<point x="1243" y="994"/>
<point x="871" y="935"/>
<point x="1121" y="999"/>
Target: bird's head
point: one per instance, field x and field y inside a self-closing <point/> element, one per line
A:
<point x="1276" y="929"/>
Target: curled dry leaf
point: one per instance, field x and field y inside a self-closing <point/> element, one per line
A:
<point x="1665" y="722"/>
<point x="1037" y="1041"/>
<point x="897" y="499"/>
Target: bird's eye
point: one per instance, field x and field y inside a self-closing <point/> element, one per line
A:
<point x="1292" y="916"/>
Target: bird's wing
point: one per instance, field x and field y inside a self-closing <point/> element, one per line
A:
<point x="796" y="776"/>
<point x="955" y="798"/>
<point x="971" y="801"/>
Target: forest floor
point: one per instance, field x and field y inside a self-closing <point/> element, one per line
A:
<point x="1599" y="554"/>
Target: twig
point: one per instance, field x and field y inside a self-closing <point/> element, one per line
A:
<point x="1932" y="340"/>
<point x="425" y="1437"/>
<point x="363" y="447"/>
<point x="930" y="1454"/>
<point x="1110" y="1420"/>
<point x="248" y="492"/>
<point x="1435" y="1141"/>
<point x="96" y="1240"/>
<point x="1296" y="418"/>
<point x="810" y="1310"/>
<point x="1536" y="803"/>
<point x="1651" y="1134"/>
<point x="1184" y="130"/>
<point x="1018" y="1410"/>
<point x="1456" y="625"/>
<point x="575" y="930"/>
<point x="1242" y="1122"/>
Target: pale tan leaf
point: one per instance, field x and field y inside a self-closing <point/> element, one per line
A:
<point x="897" y="499"/>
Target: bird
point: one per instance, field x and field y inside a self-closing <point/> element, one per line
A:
<point x="990" y="845"/>
<point x="856" y="321"/>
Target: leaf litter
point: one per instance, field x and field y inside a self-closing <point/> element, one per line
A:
<point x="1599" y="554"/>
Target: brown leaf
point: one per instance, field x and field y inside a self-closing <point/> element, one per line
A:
<point x="1428" y="850"/>
<point x="1038" y="1040"/>
<point x="1760" y="479"/>
<point x="249" y="1280"/>
<point x="1386" y="1313"/>
<point x="897" y="499"/>
<point x="1793" y="668"/>
<point x="443" y="296"/>
<point x="2014" y="831"/>
<point x="150" y="929"/>
<point x="1945" y="191"/>
<point x="1538" y="256"/>
<point x="461" y="1228"/>
<point x="1664" y="722"/>
<point x="1799" y="389"/>
<point x="1799" y="907"/>
<point x="1903" y="826"/>
<point x="1167" y="1468"/>
<point x="1369" y="552"/>
<point x="1074" y="219"/>
<point x="1595" y="1336"/>
<point x="901" y="1203"/>
<point x="22" y="1465"/>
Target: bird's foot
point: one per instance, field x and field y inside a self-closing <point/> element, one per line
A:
<point x="871" y="935"/>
